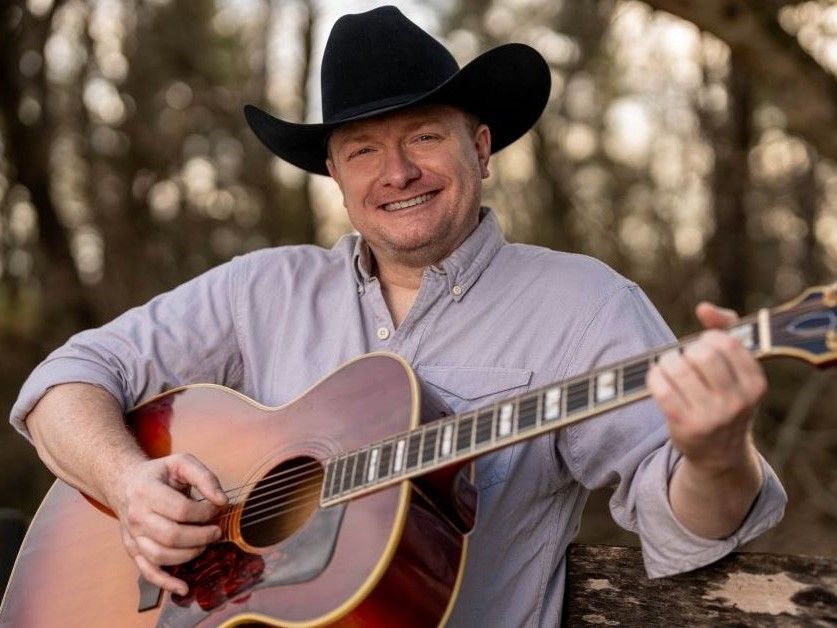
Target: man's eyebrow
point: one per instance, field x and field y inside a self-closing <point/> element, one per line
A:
<point x="360" y="136"/>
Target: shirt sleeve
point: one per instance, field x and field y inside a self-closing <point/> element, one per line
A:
<point x="629" y="448"/>
<point x="187" y="335"/>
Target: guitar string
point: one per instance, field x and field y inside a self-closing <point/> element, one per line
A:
<point x="273" y="479"/>
<point x="276" y="479"/>
<point x="256" y="506"/>
<point x="639" y="360"/>
<point x="276" y="494"/>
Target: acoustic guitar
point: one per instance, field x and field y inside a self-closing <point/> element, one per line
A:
<point x="347" y="509"/>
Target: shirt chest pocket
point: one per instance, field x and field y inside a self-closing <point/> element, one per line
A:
<point x="466" y="388"/>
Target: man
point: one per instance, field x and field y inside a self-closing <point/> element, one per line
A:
<point x="407" y="136"/>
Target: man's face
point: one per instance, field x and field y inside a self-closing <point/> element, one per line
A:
<point x="411" y="181"/>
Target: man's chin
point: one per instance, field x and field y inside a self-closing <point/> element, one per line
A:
<point x="417" y="252"/>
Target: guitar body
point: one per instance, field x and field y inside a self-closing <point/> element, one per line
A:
<point x="393" y="557"/>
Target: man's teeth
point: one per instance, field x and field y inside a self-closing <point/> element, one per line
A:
<point x="409" y="202"/>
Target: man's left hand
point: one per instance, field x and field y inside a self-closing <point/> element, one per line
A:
<point x="708" y="395"/>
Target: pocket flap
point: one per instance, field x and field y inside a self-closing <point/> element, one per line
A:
<point x="473" y="382"/>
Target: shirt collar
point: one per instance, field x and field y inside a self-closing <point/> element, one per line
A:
<point x="462" y="268"/>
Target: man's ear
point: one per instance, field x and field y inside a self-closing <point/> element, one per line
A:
<point x="482" y="142"/>
<point x="333" y="171"/>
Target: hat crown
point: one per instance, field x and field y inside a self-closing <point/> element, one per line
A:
<point x="379" y="59"/>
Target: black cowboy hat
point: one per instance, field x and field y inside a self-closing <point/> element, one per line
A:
<point x="379" y="61"/>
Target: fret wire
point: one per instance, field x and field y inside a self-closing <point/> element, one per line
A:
<point x="565" y="392"/>
<point x="329" y="477"/>
<point x="620" y="388"/>
<point x="592" y="381"/>
<point x="539" y="410"/>
<point x="327" y="485"/>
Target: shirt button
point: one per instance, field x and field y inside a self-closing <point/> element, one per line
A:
<point x="360" y="289"/>
<point x="383" y="333"/>
<point x="457" y="290"/>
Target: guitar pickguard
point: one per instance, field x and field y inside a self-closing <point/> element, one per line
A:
<point x="226" y="573"/>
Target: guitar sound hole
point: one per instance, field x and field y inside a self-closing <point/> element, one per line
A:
<point x="282" y="501"/>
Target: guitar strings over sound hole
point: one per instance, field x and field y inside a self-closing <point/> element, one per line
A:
<point x="281" y="502"/>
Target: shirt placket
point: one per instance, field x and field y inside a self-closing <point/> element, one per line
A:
<point x="404" y="340"/>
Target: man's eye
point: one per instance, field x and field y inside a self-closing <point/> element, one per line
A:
<point x="426" y="137"/>
<point x="360" y="151"/>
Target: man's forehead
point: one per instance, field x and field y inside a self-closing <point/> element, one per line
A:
<point x="413" y="116"/>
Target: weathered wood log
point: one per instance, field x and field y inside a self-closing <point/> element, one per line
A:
<point x="607" y="586"/>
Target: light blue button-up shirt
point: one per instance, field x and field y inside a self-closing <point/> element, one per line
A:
<point x="491" y="320"/>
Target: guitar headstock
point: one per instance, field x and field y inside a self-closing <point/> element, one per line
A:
<point x="806" y="328"/>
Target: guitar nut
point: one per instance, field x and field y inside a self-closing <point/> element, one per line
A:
<point x="829" y="296"/>
<point x="831" y="339"/>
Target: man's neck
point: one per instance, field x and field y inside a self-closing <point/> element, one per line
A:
<point x="399" y="285"/>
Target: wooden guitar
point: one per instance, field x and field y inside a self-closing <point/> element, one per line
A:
<point x="346" y="510"/>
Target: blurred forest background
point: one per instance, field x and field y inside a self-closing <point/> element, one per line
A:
<point x="690" y="145"/>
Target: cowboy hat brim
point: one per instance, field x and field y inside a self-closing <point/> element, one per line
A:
<point x="506" y="88"/>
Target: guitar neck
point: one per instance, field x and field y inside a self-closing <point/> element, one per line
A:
<point x="462" y="437"/>
<point x="805" y="328"/>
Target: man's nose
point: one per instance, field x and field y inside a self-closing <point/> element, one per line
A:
<point x="399" y="169"/>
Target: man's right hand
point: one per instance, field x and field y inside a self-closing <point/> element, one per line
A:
<point x="161" y="524"/>
<point x="81" y="436"/>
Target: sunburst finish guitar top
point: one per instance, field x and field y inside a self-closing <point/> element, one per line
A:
<point x="389" y="558"/>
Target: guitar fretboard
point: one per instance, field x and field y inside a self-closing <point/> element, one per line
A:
<point x="464" y="436"/>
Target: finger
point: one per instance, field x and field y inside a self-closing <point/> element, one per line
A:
<point x="174" y="505"/>
<point x="177" y="535"/>
<point x="190" y="471"/>
<point x="687" y="380"/>
<point x="666" y="394"/>
<point x="749" y="376"/>
<point x="708" y="357"/>
<point x="712" y="316"/>
<point x="157" y="554"/>
<point x="160" y="577"/>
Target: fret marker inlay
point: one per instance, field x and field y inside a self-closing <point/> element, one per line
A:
<point x="505" y="426"/>
<point x="552" y="404"/>
<point x="605" y="386"/>
<point x="399" y="455"/>
<point x="447" y="439"/>
<point x="372" y="470"/>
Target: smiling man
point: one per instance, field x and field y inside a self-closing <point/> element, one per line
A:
<point x="407" y="136"/>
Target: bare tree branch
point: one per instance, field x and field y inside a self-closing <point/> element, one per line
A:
<point x="780" y="68"/>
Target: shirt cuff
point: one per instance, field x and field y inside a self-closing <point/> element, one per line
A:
<point x="668" y="547"/>
<point x="55" y="371"/>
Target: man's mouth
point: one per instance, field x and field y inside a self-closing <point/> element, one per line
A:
<point x="410" y="202"/>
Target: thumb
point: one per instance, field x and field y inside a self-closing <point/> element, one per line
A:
<point x="713" y="317"/>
